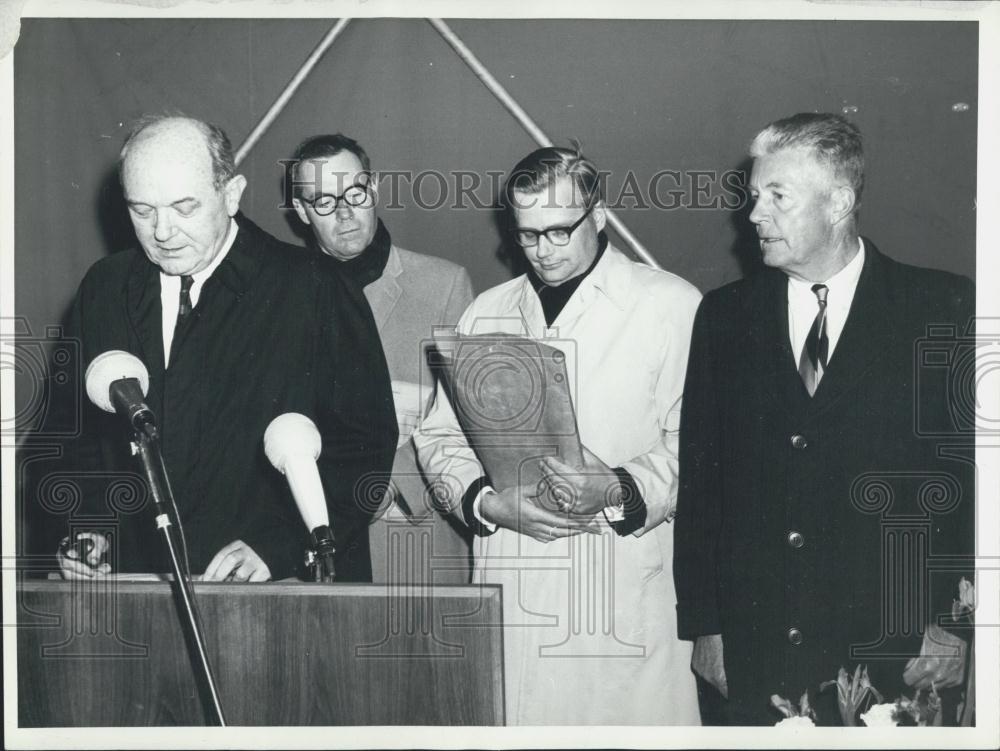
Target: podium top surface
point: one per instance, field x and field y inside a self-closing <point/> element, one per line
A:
<point x="289" y="588"/>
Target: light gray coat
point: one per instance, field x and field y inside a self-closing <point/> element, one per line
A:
<point x="415" y="294"/>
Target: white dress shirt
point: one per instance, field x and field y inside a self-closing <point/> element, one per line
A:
<point x="170" y="291"/>
<point x="803" y="304"/>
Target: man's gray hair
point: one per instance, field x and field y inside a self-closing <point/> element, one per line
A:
<point x="832" y="139"/>
<point x="219" y="148"/>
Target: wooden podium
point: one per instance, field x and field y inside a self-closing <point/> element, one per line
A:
<point x="112" y="653"/>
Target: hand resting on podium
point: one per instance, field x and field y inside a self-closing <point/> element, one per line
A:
<point x="82" y="558"/>
<point x="237" y="561"/>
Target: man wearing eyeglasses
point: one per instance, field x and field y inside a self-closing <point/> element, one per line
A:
<point x="335" y="194"/>
<point x="585" y="558"/>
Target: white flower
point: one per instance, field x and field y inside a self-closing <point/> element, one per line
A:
<point x="966" y="602"/>
<point x="967" y="594"/>
<point x="795" y="722"/>
<point x="879" y="715"/>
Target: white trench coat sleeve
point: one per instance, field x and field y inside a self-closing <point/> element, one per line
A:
<point x="589" y="622"/>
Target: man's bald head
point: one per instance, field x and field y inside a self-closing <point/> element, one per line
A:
<point x="186" y="134"/>
<point x="174" y="175"/>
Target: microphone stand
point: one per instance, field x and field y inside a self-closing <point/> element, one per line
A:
<point x="148" y="445"/>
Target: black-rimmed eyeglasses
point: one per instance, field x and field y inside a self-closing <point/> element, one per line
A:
<point x="325" y="204"/>
<point x="528" y="238"/>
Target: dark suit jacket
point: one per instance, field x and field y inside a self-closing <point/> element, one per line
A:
<point x="852" y="471"/>
<point x="274" y="331"/>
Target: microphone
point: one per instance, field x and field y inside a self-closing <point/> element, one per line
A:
<point x="292" y="444"/>
<point x="117" y="381"/>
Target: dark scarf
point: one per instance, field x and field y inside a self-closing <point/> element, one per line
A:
<point x="369" y="264"/>
<point x="554" y="299"/>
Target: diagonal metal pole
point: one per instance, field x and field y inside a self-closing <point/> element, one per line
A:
<point x="279" y="104"/>
<point x="529" y="125"/>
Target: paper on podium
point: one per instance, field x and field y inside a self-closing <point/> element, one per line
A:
<point x="513" y="399"/>
<point x="131" y="577"/>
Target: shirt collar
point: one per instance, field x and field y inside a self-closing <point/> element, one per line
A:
<point x="205" y="273"/>
<point x="841" y="285"/>
<point x="201" y="276"/>
<point x="611" y="277"/>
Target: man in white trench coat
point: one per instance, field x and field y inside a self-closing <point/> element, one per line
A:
<point x="588" y="595"/>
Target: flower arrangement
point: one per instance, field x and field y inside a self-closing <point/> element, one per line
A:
<point x="858" y="700"/>
<point x="923" y="710"/>
<point x="852" y="693"/>
<point x="795" y="716"/>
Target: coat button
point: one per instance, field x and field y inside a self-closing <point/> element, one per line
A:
<point x="799" y="441"/>
<point x="794" y="636"/>
<point x="795" y="539"/>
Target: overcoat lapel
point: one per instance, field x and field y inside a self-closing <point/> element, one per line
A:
<point x="224" y="288"/>
<point x="385" y="292"/>
<point x="866" y="333"/>
<point x="862" y="342"/>
<point x="776" y="366"/>
<point x="532" y="317"/>
<point x="144" y="311"/>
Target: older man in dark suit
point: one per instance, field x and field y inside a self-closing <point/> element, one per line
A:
<point x="235" y="328"/>
<point x="812" y="512"/>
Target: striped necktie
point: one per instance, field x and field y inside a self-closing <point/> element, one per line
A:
<point x="812" y="363"/>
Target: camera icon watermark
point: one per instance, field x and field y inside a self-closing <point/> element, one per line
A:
<point x="950" y="365"/>
<point x="47" y="375"/>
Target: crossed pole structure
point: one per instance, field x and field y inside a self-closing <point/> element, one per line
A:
<point x="488" y="80"/>
<point x="590" y="626"/>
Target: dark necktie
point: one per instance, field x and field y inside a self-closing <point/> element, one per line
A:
<point x="812" y="364"/>
<point x="183" y="313"/>
<point x="184" y="308"/>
